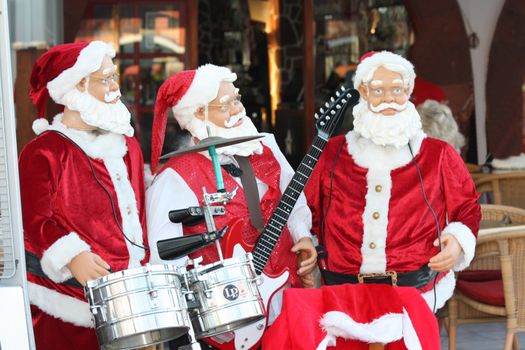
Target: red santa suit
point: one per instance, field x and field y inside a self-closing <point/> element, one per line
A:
<point x="378" y="219"/>
<point x="179" y="185"/>
<point x="65" y="212"/>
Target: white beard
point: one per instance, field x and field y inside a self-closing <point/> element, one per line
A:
<point x="396" y="130"/>
<point x="114" y="117"/>
<point x="197" y="129"/>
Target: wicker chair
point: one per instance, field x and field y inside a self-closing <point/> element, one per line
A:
<point x="506" y="188"/>
<point x="496" y="252"/>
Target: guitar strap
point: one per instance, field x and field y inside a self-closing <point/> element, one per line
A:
<point x="251" y="193"/>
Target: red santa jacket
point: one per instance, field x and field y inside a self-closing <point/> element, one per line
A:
<point x="197" y="171"/>
<point x="65" y="211"/>
<point x="376" y="218"/>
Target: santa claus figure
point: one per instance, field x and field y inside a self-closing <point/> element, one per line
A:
<point x="391" y="205"/>
<point x="82" y="189"/>
<point x="205" y="102"/>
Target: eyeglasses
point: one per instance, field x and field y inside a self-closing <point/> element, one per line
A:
<point x="225" y="107"/>
<point x="106" y="81"/>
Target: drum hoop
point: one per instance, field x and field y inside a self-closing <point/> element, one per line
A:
<point x="113" y="278"/>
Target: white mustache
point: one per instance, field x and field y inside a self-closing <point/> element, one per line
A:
<point x="112" y="96"/>
<point x="234" y="119"/>
<point x="383" y="106"/>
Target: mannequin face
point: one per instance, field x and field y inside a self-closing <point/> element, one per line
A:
<point x="387" y="87"/>
<point x="224" y="106"/>
<point x="103" y="83"/>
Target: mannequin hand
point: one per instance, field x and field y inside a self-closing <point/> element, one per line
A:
<point x="447" y="258"/>
<point x="87" y="266"/>
<point x="307" y="255"/>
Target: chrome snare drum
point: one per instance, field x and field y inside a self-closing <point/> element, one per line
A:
<point x="225" y="294"/>
<point x="138" y="307"/>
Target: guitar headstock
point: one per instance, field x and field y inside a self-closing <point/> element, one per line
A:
<point x="330" y="115"/>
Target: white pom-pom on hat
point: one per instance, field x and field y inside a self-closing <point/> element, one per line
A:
<point x="40" y="125"/>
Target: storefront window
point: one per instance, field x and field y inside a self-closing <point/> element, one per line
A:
<point x="150" y="39"/>
<point x="345" y="30"/>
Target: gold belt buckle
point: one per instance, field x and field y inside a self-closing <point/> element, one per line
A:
<point x="392" y="274"/>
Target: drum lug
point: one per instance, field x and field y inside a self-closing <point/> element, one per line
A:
<point x="94" y="311"/>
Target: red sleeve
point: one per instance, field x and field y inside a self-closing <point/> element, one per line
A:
<point x="460" y="193"/>
<point x="40" y="172"/>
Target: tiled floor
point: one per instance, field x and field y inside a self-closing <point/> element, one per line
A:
<point x="490" y="336"/>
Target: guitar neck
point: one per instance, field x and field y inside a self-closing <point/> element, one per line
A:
<point x="274" y="228"/>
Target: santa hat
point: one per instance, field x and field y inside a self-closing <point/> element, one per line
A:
<point x="61" y="68"/>
<point x="374" y="59"/>
<point x="185" y="93"/>
<point x="425" y="90"/>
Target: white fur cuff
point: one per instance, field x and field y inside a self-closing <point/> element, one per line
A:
<point x="61" y="306"/>
<point x="466" y="240"/>
<point x="59" y="254"/>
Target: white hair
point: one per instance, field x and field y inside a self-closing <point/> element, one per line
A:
<point x="438" y="122"/>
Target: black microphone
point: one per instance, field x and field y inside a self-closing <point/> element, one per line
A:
<point x="173" y="248"/>
<point x="192" y="216"/>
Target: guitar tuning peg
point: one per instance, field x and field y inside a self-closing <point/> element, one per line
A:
<point x="338" y="106"/>
<point x="343" y="100"/>
<point x="343" y="88"/>
<point x="316" y="116"/>
<point x="332" y="99"/>
<point x="321" y="110"/>
<point x="326" y="104"/>
<point x="348" y="95"/>
<point x="337" y="93"/>
<point x="332" y="112"/>
<point x="327" y="117"/>
<point x="322" y="123"/>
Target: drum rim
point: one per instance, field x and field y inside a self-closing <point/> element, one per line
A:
<point x="154" y="269"/>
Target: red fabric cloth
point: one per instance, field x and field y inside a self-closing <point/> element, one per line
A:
<point x="298" y="326"/>
<point x="48" y="67"/>
<point x="411" y="229"/>
<point x="197" y="172"/>
<point x="47" y="329"/>
<point x="60" y="195"/>
<point x="488" y="292"/>
<point x="425" y="90"/>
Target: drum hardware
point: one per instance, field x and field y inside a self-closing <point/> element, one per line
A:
<point x="192" y="216"/>
<point x="138" y="307"/>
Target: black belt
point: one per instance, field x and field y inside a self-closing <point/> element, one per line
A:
<point x="417" y="279"/>
<point x="33" y="266"/>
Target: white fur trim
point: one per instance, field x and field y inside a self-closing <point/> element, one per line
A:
<point x="380" y="161"/>
<point x="59" y="254"/>
<point x="203" y="89"/>
<point x="410" y="337"/>
<point x="382" y="58"/>
<point x="96" y="146"/>
<point x="466" y="240"/>
<point x="367" y="154"/>
<point x="384" y="330"/>
<point x="89" y="60"/>
<point x="40" y="125"/>
<point x="513" y="162"/>
<point x="127" y="205"/>
<point x="444" y="290"/>
<point x="375" y="230"/>
<point x="61" y="306"/>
